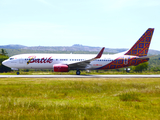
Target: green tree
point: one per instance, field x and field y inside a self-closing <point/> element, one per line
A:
<point x="3" y="52"/>
<point x="140" y="67"/>
<point x="3" y="56"/>
<point x="2" y="67"/>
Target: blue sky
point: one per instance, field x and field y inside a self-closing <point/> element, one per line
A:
<point x="112" y="24"/>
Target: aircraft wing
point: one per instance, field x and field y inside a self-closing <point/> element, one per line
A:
<point x="83" y="64"/>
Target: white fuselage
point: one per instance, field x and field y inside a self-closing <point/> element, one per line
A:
<point x="46" y="61"/>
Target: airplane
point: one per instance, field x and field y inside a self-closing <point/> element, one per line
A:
<point x="66" y="62"/>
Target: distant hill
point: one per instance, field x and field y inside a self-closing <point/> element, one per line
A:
<point x="76" y="48"/>
<point x="12" y="46"/>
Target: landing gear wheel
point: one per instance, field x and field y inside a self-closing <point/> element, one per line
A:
<point x="78" y="72"/>
<point x="128" y="70"/>
<point x="17" y="73"/>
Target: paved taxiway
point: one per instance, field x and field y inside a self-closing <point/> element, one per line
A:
<point x="79" y="76"/>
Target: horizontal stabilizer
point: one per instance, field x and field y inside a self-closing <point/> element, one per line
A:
<point x="144" y="57"/>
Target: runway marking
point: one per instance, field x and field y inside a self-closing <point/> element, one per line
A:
<point x="79" y="76"/>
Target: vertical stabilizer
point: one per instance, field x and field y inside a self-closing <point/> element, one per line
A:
<point x="140" y="48"/>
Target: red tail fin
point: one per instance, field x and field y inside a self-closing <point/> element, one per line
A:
<point x="140" y="48"/>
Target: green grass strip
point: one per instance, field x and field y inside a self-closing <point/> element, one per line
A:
<point x="80" y="98"/>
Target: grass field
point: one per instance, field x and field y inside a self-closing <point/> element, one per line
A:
<point x="80" y="98"/>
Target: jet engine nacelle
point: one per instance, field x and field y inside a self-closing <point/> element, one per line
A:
<point x="60" y="68"/>
<point x="14" y="69"/>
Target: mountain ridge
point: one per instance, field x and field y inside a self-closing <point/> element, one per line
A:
<point x="75" y="47"/>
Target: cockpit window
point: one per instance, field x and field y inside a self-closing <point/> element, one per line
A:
<point x="11" y="58"/>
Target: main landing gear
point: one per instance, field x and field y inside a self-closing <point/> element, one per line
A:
<point x="78" y="72"/>
<point x="128" y="70"/>
<point x="18" y="73"/>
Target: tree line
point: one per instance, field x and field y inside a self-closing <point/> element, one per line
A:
<point x="3" y="56"/>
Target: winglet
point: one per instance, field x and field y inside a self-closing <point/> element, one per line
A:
<point x="100" y="53"/>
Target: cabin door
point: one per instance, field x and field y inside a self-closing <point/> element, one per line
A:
<point x="125" y="60"/>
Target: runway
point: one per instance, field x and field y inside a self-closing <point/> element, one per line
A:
<point x="79" y="76"/>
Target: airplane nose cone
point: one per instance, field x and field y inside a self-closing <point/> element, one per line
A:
<point x="4" y="63"/>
